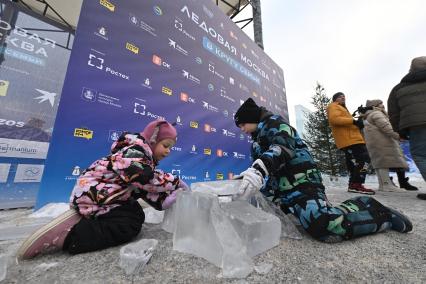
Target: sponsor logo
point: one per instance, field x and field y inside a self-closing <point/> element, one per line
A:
<point x="198" y="60"/>
<point x="166" y="90"/>
<point x="4" y="85"/>
<point x="219" y="153"/>
<point x="141" y="24"/>
<point x="225" y="113"/>
<point x="176" y="46"/>
<point x="23" y="149"/>
<point x="157" y="10"/>
<point x="193" y="124"/>
<point x="206" y="176"/>
<point x="231" y="81"/>
<point x="228" y="133"/>
<point x="133" y="48"/>
<point x="210" y="107"/>
<point x="158" y="61"/>
<point x="208" y="128"/>
<point x="241" y="136"/>
<point x="28" y="173"/>
<point x="97" y="62"/>
<point x="114" y="135"/>
<point x="178" y="120"/>
<point x="107" y="5"/>
<point x="46" y="96"/>
<point x="207" y="151"/>
<point x="210" y="87"/>
<point x="239" y="155"/>
<point x="83" y="133"/>
<point x="179" y="27"/>
<point x="92" y="95"/>
<point x="255" y="94"/>
<point x="225" y="96"/>
<point x="76" y="171"/>
<point x="190" y="77"/>
<point x="177" y="149"/>
<point x="186" y="98"/>
<point x="102" y="33"/>
<point x="147" y="83"/>
<point x="193" y="150"/>
<point x="212" y="70"/>
<point x="89" y="94"/>
<point x="141" y="109"/>
<point x="219" y="176"/>
<point x="225" y="154"/>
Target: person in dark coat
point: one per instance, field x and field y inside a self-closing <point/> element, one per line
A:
<point x="406" y="109"/>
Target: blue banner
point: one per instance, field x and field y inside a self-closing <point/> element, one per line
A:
<point x="136" y="61"/>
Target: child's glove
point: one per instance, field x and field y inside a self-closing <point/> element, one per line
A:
<point x="253" y="179"/>
<point x="182" y="185"/>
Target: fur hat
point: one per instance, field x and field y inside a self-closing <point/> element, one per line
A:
<point x="418" y="64"/>
<point x="373" y="103"/>
<point x="249" y="112"/>
<point x="336" y="95"/>
<point x="158" y="130"/>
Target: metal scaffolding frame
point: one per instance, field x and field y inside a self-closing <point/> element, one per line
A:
<point x="232" y="8"/>
<point x="63" y="27"/>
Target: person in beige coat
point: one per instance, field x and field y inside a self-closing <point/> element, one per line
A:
<point x="383" y="146"/>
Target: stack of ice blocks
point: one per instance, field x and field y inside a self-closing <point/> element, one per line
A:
<point x="226" y="234"/>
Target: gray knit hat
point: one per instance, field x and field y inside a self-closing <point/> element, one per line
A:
<point x="373" y="103"/>
<point x="418" y="64"/>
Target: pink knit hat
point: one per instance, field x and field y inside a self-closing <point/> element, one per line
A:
<point x="158" y="130"/>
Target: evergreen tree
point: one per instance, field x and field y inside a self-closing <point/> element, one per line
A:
<point x="319" y="138"/>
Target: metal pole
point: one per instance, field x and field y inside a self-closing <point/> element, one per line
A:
<point x="257" y="23"/>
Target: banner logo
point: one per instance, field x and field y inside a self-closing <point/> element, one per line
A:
<point x="83" y="133"/>
<point x="133" y="48"/>
<point x="166" y="91"/>
<point x="107" y="5"/>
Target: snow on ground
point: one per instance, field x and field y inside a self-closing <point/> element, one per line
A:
<point x="388" y="257"/>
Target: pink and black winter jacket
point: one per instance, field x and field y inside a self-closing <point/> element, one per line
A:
<point x="127" y="173"/>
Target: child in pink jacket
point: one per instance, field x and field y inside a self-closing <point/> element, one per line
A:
<point x="106" y="200"/>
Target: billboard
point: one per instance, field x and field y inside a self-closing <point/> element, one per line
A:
<point x="33" y="64"/>
<point x="136" y="61"/>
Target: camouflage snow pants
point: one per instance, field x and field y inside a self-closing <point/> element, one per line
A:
<point x="355" y="217"/>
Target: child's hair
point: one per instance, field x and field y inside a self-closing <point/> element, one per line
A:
<point x="159" y="130"/>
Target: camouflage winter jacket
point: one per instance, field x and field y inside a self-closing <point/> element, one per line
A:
<point x="285" y="155"/>
<point x="128" y="172"/>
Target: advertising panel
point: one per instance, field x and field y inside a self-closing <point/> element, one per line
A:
<point x="136" y="61"/>
<point x="33" y="63"/>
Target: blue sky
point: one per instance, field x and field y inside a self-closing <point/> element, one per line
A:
<point x="362" y="48"/>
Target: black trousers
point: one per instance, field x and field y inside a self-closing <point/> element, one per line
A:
<point x="357" y="162"/>
<point x="118" y="226"/>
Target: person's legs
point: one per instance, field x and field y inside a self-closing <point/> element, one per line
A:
<point x="418" y="148"/>
<point x="349" y="163"/>
<point x="403" y="180"/>
<point x="353" y="218"/>
<point x="116" y="227"/>
<point x="357" y="160"/>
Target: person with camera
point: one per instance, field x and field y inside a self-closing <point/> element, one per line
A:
<point x="383" y="146"/>
<point x="406" y="108"/>
<point x="348" y="138"/>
